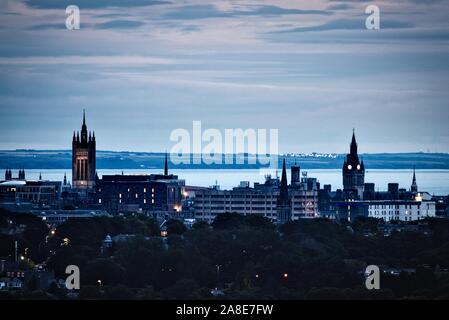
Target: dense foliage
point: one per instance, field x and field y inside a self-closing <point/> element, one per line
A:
<point x="247" y="257"/>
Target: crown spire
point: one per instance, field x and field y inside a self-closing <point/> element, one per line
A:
<point x="166" y="165"/>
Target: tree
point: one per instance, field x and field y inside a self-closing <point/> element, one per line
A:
<point x="175" y="227"/>
<point x="105" y="270"/>
<point x="201" y="225"/>
<point x="228" y="221"/>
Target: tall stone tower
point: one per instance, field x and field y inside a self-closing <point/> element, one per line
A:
<point x="295" y="175"/>
<point x="353" y="171"/>
<point x="83" y="158"/>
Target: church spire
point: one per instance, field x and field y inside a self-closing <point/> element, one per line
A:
<point x="414" y="187"/>
<point x="283" y="192"/>
<point x="84" y="129"/>
<point x="284" y="210"/>
<point x="166" y="165"/>
<point x="353" y="144"/>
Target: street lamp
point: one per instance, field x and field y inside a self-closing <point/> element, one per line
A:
<point x="218" y="266"/>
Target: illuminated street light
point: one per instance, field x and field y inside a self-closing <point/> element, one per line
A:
<point x="285" y="275"/>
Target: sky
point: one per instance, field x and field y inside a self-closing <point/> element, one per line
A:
<point x="143" y="68"/>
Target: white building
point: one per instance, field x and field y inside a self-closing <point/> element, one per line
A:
<point x="402" y="210"/>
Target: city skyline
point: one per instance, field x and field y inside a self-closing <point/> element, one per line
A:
<point x="309" y="69"/>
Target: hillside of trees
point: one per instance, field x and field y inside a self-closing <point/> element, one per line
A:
<point x="244" y="257"/>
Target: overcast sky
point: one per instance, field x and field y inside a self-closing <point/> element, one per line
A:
<point x="142" y="68"/>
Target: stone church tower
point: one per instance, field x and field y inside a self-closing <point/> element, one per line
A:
<point x="83" y="158"/>
<point x="353" y="172"/>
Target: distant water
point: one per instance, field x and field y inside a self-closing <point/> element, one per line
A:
<point x="432" y="181"/>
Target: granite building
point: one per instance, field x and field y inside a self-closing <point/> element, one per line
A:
<point x="83" y="158"/>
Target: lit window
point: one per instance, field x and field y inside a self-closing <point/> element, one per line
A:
<point x="120" y="195"/>
<point x="144" y="201"/>
<point x="152" y="201"/>
<point x="99" y="201"/>
<point x="349" y="167"/>
<point x="144" y="190"/>
<point x="137" y="195"/>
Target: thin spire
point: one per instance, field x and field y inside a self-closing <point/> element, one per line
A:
<point x="40" y="175"/>
<point x="414" y="187"/>
<point x="353" y="147"/>
<point x="283" y="192"/>
<point x="166" y="165"/>
<point x="84" y="117"/>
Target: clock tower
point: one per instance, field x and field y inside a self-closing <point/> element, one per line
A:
<point x="353" y="172"/>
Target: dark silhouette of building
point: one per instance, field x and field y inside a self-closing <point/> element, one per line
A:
<point x="83" y="158"/>
<point x="123" y="193"/>
<point x="9" y="177"/>
<point x="295" y="174"/>
<point x="414" y="186"/>
<point x="284" y="207"/>
<point x="353" y="172"/>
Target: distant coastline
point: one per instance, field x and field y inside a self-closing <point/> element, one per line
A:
<point x="62" y="159"/>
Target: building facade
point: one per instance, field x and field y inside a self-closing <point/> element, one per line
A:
<point x="45" y="194"/>
<point x="300" y="200"/>
<point x="140" y="193"/>
<point x="83" y="158"/>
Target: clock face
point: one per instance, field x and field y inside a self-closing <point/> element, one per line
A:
<point x="349" y="167"/>
<point x="358" y="167"/>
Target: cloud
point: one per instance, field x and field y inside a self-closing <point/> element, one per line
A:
<point x="119" y="24"/>
<point x="48" y="26"/>
<point x="346" y="24"/>
<point x="91" y="4"/>
<point x="274" y="10"/>
<point x="340" y="6"/>
<point x="192" y="12"/>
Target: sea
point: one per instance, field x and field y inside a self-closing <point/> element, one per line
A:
<point x="432" y="181"/>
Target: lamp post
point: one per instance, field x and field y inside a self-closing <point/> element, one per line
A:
<point x="218" y="266"/>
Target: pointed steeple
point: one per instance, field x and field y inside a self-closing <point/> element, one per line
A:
<point x="65" y="179"/>
<point x="166" y="165"/>
<point x="40" y="175"/>
<point x="283" y="191"/>
<point x="84" y="129"/>
<point x="284" y="209"/>
<point x="414" y="187"/>
<point x="353" y="144"/>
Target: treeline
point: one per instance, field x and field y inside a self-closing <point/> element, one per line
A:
<point x="247" y="258"/>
